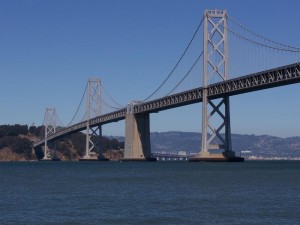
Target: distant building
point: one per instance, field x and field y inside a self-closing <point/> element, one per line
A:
<point x="247" y="152"/>
<point x="182" y="153"/>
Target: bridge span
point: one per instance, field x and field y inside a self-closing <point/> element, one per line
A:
<point x="215" y="67"/>
<point x="276" y="77"/>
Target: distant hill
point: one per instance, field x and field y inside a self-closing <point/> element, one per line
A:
<point x="262" y="146"/>
<point x="16" y="144"/>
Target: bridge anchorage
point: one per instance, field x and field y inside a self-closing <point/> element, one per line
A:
<point x="215" y="67"/>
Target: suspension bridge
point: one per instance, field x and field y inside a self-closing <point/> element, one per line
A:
<point x="214" y="94"/>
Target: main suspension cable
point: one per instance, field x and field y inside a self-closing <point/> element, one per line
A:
<point x="60" y="125"/>
<point x="261" y="44"/>
<point x="260" y="36"/>
<point x="110" y="106"/>
<point x="111" y="98"/>
<point x="183" y="54"/>
<point x="186" y="73"/>
<point x="78" y="105"/>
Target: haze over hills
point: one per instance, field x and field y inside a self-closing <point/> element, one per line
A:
<point x="262" y="146"/>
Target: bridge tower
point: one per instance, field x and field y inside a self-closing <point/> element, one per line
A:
<point x="93" y="109"/>
<point x="50" y="128"/>
<point x="215" y="116"/>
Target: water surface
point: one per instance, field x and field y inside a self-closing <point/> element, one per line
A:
<point x="150" y="193"/>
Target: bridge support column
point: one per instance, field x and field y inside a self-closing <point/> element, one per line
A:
<point x="93" y="134"/>
<point x="50" y="128"/>
<point x="215" y="113"/>
<point x="137" y="136"/>
<point x="93" y="145"/>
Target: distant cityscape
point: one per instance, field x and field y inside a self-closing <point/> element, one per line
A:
<point x="183" y="156"/>
<point x="252" y="147"/>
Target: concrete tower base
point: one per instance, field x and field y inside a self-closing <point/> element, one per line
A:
<point x="138" y="160"/>
<point x="223" y="157"/>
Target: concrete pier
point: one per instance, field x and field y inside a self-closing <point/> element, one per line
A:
<point x="137" y="139"/>
<point x="94" y="157"/>
<point x="205" y="156"/>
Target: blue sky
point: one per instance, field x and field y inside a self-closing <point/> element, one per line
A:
<point x="49" y="49"/>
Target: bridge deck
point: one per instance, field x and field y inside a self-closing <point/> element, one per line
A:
<point x="280" y="76"/>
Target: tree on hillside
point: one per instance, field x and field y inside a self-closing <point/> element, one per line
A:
<point x="13" y="130"/>
<point x="18" y="145"/>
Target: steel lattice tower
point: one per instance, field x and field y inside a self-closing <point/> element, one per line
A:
<point x="215" y="69"/>
<point x="50" y="128"/>
<point x="93" y="109"/>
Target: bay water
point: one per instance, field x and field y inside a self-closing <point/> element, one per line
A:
<point x="253" y="192"/>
